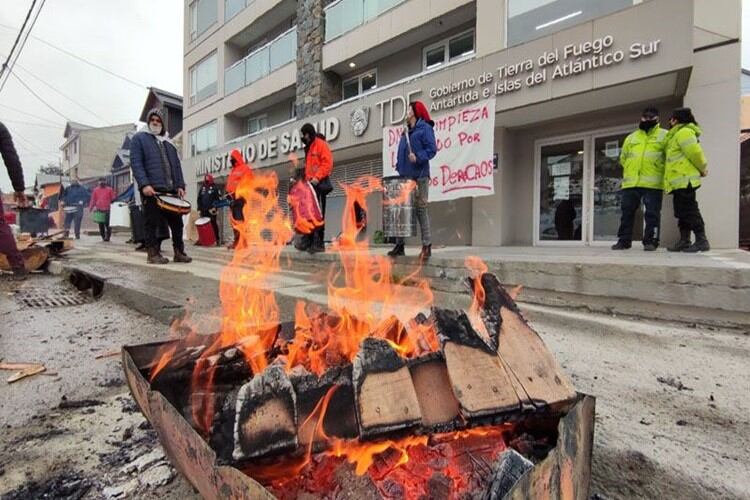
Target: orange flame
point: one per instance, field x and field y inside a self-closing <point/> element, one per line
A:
<point x="477" y="268"/>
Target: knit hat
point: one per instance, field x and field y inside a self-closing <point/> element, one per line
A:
<point x="157" y="112"/>
<point x="208" y="179"/>
<point x="420" y="111"/>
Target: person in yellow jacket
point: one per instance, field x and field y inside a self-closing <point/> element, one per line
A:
<point x="686" y="164"/>
<point x="642" y="160"/>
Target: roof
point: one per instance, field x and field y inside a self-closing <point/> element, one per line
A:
<point x="744" y="136"/>
<point x="157" y="98"/>
<point x="71" y="127"/>
<point x="47" y="179"/>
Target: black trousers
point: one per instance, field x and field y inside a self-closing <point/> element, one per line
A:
<point x="214" y="223"/>
<point x="631" y="200"/>
<point x="686" y="210"/>
<point x="153" y="217"/>
<point x="318" y="234"/>
<point x="105" y="230"/>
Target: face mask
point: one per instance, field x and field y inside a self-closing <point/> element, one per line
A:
<point x="647" y="125"/>
<point x="306" y="139"/>
<point x="154" y="128"/>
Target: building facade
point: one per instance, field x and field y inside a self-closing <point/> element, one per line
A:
<point x="565" y="81"/>
<point x="87" y="151"/>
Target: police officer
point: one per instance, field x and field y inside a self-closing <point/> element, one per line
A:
<point x="642" y="160"/>
<point x="686" y="164"/>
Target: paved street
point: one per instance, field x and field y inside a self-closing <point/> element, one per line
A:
<point x="671" y="422"/>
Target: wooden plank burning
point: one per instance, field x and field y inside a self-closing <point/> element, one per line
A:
<point x="384" y="393"/>
<point x="266" y="416"/>
<point x="438" y="404"/>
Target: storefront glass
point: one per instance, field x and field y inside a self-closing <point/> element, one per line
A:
<point x="607" y="181"/>
<point x="530" y="19"/>
<point x="560" y="191"/>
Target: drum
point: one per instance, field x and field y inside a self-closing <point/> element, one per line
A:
<point x="206" y="236"/>
<point x="70" y="210"/>
<point x="399" y="207"/>
<point x="173" y="204"/>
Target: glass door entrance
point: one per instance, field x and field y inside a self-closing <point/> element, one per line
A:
<point x="578" y="190"/>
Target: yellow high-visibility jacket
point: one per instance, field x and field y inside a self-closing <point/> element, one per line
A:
<point x="642" y="159"/>
<point x="685" y="158"/>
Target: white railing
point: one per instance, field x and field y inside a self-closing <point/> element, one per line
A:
<point x="261" y="62"/>
<point x="345" y="15"/>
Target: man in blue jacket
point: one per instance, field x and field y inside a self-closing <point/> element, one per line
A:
<point x="415" y="150"/>
<point x="157" y="169"/>
<point x="74" y="199"/>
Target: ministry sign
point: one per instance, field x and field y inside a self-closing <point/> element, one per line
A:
<point x="463" y="166"/>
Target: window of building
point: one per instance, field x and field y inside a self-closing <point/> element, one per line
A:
<point x="203" y="79"/>
<point x="75" y="147"/>
<point x="257" y="123"/>
<point x="359" y="84"/>
<point x="293" y="109"/>
<point x="530" y="19"/>
<point x="449" y="49"/>
<point x="203" y="13"/>
<point x="203" y="138"/>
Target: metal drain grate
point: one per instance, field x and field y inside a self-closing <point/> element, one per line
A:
<point x="57" y="296"/>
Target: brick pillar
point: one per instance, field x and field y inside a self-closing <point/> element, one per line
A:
<point x="315" y="88"/>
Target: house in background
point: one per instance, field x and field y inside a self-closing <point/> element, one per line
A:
<point x="87" y="151"/>
<point x="121" y="176"/>
<point x="171" y="107"/>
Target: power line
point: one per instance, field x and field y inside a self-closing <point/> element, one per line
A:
<point x="18" y="38"/>
<point x="29" y="114"/>
<point x="43" y="125"/>
<point x="37" y="96"/>
<point x="22" y="43"/>
<point x="83" y="60"/>
<point x="30" y="144"/>
<point x="40" y="80"/>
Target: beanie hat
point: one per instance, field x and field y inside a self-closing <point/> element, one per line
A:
<point x="308" y="129"/>
<point x="420" y="111"/>
<point x="209" y="179"/>
<point x="683" y="115"/>
<point x="157" y="112"/>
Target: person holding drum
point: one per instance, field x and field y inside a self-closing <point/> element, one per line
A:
<point x="318" y="168"/>
<point x="101" y="201"/>
<point x="208" y="196"/>
<point x="74" y="199"/>
<point x="415" y="150"/>
<point x="158" y="171"/>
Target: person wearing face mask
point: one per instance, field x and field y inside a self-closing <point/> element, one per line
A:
<point x="415" y="150"/>
<point x="642" y="159"/>
<point x="101" y="201"/>
<point x="157" y="169"/>
<point x="686" y="164"/>
<point x="318" y="168"/>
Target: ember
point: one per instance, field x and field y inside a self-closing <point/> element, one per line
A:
<point x="414" y="400"/>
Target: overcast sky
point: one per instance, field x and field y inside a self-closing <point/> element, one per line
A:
<point x="139" y="39"/>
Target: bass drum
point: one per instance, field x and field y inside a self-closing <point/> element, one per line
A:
<point x="399" y="207"/>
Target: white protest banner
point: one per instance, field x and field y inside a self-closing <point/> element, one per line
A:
<point x="463" y="165"/>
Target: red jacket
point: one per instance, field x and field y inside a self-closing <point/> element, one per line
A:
<point x="239" y="171"/>
<point x="102" y="198"/>
<point x="318" y="160"/>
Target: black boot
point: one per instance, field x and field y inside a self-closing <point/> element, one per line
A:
<point x="155" y="257"/>
<point x="425" y="254"/>
<point x="398" y="251"/>
<point x="621" y="245"/>
<point x="181" y="256"/>
<point x="683" y="243"/>
<point x="317" y="245"/>
<point x="700" y="245"/>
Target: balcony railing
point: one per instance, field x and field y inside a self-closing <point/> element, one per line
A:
<point x="345" y="15"/>
<point x="261" y="62"/>
<point x="234" y="7"/>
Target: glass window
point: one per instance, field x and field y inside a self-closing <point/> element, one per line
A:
<point x="530" y="19"/>
<point x="607" y="184"/>
<point x="203" y="14"/>
<point x="203" y="138"/>
<point x="561" y="194"/>
<point x="449" y="49"/>
<point x="461" y="45"/>
<point x="203" y="77"/>
<point x="359" y="84"/>
<point x="256" y="123"/>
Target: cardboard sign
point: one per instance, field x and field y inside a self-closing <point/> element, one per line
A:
<point x="463" y="165"/>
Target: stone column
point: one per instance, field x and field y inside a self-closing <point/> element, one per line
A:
<point x="315" y="88"/>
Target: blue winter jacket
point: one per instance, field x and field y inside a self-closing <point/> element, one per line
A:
<point x="145" y="161"/>
<point x="75" y="194"/>
<point x="423" y="145"/>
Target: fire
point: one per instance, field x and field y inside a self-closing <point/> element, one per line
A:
<point x="477" y="267"/>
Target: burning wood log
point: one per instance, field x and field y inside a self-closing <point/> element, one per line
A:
<point x="437" y="402"/>
<point x="384" y="393"/>
<point x="505" y="474"/>
<point x="340" y="419"/>
<point x="479" y="379"/>
<point x="266" y="416"/>
<point x="495" y="298"/>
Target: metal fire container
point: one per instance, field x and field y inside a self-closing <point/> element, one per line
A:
<point x="399" y="207"/>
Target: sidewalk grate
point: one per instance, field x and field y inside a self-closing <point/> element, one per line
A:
<point x="56" y="296"/>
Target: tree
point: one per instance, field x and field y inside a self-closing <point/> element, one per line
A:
<point x="51" y="169"/>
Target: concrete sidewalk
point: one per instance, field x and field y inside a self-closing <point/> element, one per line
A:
<point x="709" y="288"/>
